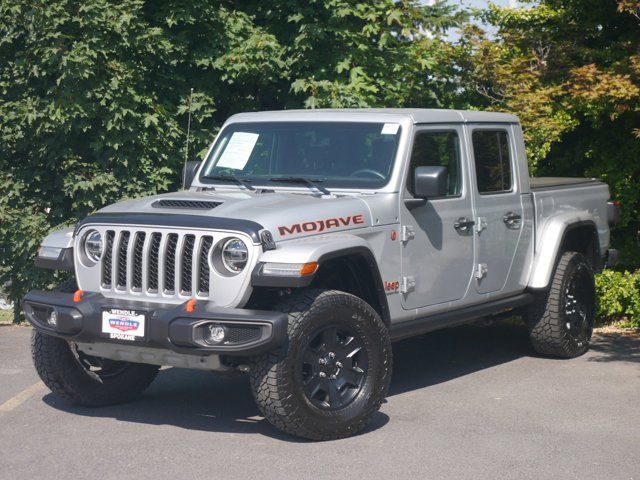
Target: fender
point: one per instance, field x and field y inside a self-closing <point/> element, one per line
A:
<point x="550" y="242"/>
<point x="56" y="250"/>
<point x="320" y="249"/>
<point x="311" y="249"/>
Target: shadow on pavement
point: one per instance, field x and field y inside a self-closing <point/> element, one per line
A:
<point x="447" y="354"/>
<point x="205" y="401"/>
<point x="615" y="348"/>
<point x="195" y="400"/>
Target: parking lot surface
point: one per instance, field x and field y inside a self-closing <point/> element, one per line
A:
<point x="468" y="402"/>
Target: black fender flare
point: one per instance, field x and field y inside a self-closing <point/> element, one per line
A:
<point x="361" y="252"/>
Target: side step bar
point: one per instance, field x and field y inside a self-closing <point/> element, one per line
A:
<point x="453" y="318"/>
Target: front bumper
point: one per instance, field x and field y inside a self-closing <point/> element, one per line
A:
<point x="168" y="326"/>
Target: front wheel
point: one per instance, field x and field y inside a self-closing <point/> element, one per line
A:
<point x="561" y="319"/>
<point x="86" y="380"/>
<point x="332" y="374"/>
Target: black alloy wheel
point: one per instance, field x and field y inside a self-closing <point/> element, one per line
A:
<point x="561" y="318"/>
<point x="334" y="366"/>
<point x="578" y="303"/>
<point x="332" y="373"/>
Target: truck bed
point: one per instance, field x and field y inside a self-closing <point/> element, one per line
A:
<point x="539" y="183"/>
<point x="554" y="196"/>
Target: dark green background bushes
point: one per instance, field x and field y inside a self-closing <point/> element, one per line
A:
<point x="619" y="297"/>
<point x="94" y="94"/>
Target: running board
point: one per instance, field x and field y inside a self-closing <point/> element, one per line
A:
<point x="453" y="318"/>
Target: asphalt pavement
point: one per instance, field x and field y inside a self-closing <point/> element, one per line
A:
<point x="465" y="403"/>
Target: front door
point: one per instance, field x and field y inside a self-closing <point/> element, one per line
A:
<point x="499" y="213"/>
<point x="437" y="244"/>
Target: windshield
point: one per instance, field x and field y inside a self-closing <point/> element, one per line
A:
<point x="331" y="154"/>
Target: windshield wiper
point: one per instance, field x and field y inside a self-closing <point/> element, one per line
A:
<point x="243" y="182"/>
<point x="306" y="181"/>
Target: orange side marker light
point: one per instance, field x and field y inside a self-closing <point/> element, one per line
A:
<point x="191" y="306"/>
<point x="308" y="269"/>
<point x="77" y="296"/>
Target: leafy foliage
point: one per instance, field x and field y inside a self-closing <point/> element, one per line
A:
<point x="94" y="95"/>
<point x="570" y="69"/>
<point x="619" y="297"/>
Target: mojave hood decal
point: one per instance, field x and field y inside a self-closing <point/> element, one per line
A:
<point x="319" y="226"/>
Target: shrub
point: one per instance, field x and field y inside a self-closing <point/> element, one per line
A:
<point x="619" y="296"/>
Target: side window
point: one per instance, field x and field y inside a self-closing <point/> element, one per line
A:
<point x="493" y="162"/>
<point x="437" y="149"/>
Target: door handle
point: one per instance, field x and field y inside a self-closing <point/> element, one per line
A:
<point x="512" y="220"/>
<point x="463" y="225"/>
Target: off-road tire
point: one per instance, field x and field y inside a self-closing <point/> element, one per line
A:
<point x="551" y="329"/>
<point x="277" y="387"/>
<point x="57" y="362"/>
<point x="62" y="372"/>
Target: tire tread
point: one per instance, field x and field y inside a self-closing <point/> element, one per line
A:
<point x="546" y="324"/>
<point x="270" y="384"/>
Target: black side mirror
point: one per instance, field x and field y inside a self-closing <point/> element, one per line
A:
<point x="430" y="182"/>
<point x="189" y="173"/>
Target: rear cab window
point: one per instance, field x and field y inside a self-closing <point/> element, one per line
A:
<point x="493" y="163"/>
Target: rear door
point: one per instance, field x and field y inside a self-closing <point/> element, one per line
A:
<point x="437" y="258"/>
<point x="498" y="206"/>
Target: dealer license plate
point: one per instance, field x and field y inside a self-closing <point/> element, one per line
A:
<point x="123" y="324"/>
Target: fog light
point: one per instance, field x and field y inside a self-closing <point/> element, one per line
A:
<point x="53" y="318"/>
<point x="214" y="334"/>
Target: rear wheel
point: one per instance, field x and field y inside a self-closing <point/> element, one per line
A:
<point x="333" y="373"/>
<point x="561" y="319"/>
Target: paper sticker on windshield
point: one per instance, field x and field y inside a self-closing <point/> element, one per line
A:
<point x="390" y="128"/>
<point x="238" y="150"/>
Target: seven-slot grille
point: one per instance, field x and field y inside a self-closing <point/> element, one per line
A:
<point x="156" y="262"/>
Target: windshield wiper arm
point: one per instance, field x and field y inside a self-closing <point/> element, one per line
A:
<point x="306" y="181"/>
<point x="243" y="182"/>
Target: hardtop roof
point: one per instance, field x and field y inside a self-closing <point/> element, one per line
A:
<point x="417" y="115"/>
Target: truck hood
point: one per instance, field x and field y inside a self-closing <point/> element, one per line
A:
<point x="285" y="215"/>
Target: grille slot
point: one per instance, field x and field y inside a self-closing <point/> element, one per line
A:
<point x="107" y="259"/>
<point x="138" y="247"/>
<point x="154" y="252"/>
<point x="187" y="264"/>
<point x="194" y="204"/>
<point x="159" y="263"/>
<point x="203" y="266"/>
<point x="170" y="263"/>
<point x="123" y="246"/>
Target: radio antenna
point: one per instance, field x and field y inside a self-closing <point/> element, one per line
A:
<point x="186" y="147"/>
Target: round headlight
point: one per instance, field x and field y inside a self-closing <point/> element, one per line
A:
<point x="93" y="245"/>
<point x="235" y="255"/>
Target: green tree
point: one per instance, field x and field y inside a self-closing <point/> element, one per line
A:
<point x="571" y="70"/>
<point x="94" y="94"/>
<point x="362" y="54"/>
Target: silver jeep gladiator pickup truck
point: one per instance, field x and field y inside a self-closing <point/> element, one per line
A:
<point x="304" y="244"/>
